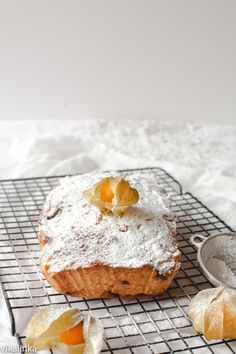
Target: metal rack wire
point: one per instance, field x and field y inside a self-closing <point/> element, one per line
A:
<point x="141" y="325"/>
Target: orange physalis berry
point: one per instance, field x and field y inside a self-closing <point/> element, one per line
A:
<point x="106" y="194"/>
<point x="73" y="336"/>
<point x="112" y="194"/>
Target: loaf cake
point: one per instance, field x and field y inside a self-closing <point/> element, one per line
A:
<point x="85" y="253"/>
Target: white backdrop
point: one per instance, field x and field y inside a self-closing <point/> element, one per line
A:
<point x="118" y="58"/>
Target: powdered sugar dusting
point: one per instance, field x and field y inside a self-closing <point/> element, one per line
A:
<point x="78" y="235"/>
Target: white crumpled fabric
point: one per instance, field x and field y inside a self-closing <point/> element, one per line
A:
<point x="201" y="157"/>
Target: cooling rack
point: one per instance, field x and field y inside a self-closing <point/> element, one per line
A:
<point x="139" y="326"/>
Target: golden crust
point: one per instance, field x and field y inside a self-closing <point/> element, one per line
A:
<point x="103" y="281"/>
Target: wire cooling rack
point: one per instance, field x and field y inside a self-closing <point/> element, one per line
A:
<point x="139" y="326"/>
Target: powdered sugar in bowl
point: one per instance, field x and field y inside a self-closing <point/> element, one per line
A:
<point x="217" y="257"/>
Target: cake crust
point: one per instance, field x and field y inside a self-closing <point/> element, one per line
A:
<point x="87" y="254"/>
<point x="102" y="281"/>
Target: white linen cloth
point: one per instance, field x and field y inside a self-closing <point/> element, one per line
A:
<point x="201" y="157"/>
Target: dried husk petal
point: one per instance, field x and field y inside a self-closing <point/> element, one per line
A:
<point x="123" y="195"/>
<point x="213" y="313"/>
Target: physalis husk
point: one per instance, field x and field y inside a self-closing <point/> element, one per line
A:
<point x="112" y="194"/>
<point x="213" y="313"/>
<point x="65" y="330"/>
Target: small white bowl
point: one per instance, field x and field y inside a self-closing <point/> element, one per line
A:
<point x="217" y="257"/>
